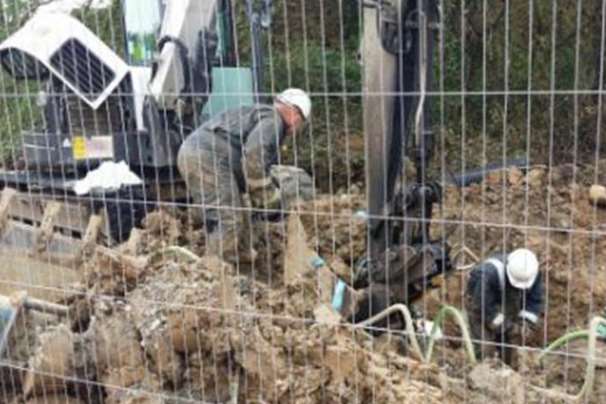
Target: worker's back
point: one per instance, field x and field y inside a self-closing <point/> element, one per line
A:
<point x="492" y="269"/>
<point x="235" y="125"/>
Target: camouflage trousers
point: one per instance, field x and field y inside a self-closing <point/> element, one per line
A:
<point x="210" y="172"/>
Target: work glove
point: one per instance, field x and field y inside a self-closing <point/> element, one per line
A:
<point x="497" y="322"/>
<point x="264" y="194"/>
<point x="502" y="326"/>
<point x="528" y="323"/>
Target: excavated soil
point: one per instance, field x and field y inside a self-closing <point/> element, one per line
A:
<point x="548" y="212"/>
<point x="166" y="328"/>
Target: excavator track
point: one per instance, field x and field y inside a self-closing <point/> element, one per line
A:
<point x="53" y="231"/>
<point x="48" y="234"/>
<point x="55" y="226"/>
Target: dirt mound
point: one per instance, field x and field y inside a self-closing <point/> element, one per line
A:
<point x="335" y="226"/>
<point x="201" y="332"/>
<point x="548" y="212"/>
<point x="155" y="327"/>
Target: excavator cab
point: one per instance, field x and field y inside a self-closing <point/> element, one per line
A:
<point x="142" y="23"/>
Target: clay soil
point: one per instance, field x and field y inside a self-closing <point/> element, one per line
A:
<point x="158" y="326"/>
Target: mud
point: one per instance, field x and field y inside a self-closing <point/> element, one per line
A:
<point x="158" y="329"/>
<point x="548" y="212"/>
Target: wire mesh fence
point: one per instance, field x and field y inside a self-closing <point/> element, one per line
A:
<point x="302" y="201"/>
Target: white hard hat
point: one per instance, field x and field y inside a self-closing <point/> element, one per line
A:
<point x="297" y="98"/>
<point x="522" y="268"/>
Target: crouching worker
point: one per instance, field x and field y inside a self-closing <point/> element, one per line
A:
<point x="504" y="296"/>
<point x="230" y="155"/>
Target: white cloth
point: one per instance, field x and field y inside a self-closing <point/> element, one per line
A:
<point x="109" y="176"/>
<point x="426" y="327"/>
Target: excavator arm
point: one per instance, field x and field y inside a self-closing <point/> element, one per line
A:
<point x="397" y="57"/>
<point x="397" y="54"/>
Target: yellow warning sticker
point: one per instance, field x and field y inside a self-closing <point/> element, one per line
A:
<point x="79" y="147"/>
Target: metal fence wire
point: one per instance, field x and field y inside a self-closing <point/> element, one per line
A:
<point x="306" y="201"/>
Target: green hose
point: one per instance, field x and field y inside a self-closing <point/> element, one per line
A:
<point x="563" y="340"/>
<point x="592" y="335"/>
<point x="410" y="330"/>
<point x="456" y="314"/>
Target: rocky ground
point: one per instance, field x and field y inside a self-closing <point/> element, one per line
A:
<point x="158" y="325"/>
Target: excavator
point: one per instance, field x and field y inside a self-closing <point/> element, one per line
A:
<point x="177" y="70"/>
<point x="180" y="69"/>
<point x="402" y="260"/>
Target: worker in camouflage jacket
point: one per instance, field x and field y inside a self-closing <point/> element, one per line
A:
<point x="504" y="298"/>
<point x="231" y="155"/>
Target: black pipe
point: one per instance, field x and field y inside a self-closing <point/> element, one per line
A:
<point x="477" y="175"/>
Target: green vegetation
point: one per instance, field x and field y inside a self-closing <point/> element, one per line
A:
<point x="309" y="47"/>
<point x="333" y="79"/>
<point x="516" y="123"/>
<point x="482" y="108"/>
<point x="142" y="48"/>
